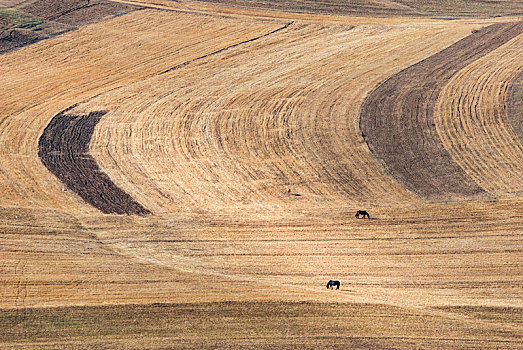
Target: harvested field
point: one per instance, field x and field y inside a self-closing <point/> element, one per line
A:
<point x="50" y="259"/>
<point x="430" y="256"/>
<point x="63" y="148"/>
<point x="276" y="278"/>
<point x="398" y="118"/>
<point x="238" y="128"/>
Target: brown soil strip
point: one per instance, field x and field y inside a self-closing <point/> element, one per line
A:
<point x="64" y="150"/>
<point x="426" y="8"/>
<point x="515" y="105"/>
<point x="397" y="118"/>
<point x="77" y="12"/>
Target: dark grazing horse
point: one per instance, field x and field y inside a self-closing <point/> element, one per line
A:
<point x="363" y="213"/>
<point x="333" y="283"/>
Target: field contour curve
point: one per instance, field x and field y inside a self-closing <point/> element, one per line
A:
<point x="397" y="118"/>
<point x="473" y="121"/>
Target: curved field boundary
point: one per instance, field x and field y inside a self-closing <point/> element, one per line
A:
<point x="471" y="119"/>
<point x="63" y="149"/>
<point x="397" y="118"/>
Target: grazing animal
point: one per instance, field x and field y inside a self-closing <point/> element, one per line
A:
<point x="293" y="194"/>
<point x="363" y="213"/>
<point x="333" y="283"/>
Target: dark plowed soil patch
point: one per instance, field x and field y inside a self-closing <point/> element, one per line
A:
<point x="352" y="7"/>
<point x="515" y="105"/>
<point x="11" y="38"/>
<point x="465" y="8"/>
<point x="44" y="19"/>
<point x="424" y="8"/>
<point x="397" y="118"/>
<point x="64" y="147"/>
<point x="77" y="12"/>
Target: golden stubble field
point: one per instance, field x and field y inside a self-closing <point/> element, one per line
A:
<point x="212" y="115"/>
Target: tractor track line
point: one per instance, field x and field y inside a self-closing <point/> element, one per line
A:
<point x="183" y="64"/>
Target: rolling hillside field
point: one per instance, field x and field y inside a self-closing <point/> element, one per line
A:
<point x="185" y="174"/>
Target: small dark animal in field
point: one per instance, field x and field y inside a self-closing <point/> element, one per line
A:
<point x="293" y="194"/>
<point x="363" y="213"/>
<point x="333" y="283"/>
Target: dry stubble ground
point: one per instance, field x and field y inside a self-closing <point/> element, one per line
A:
<point x="211" y="149"/>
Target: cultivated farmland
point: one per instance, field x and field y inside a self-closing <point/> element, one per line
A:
<point x="185" y="174"/>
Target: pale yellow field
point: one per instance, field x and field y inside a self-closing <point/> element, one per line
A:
<point x="213" y="114"/>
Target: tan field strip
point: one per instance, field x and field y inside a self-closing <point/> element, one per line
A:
<point x="471" y="118"/>
<point x="49" y="259"/>
<point x="382" y="8"/>
<point x="430" y="256"/>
